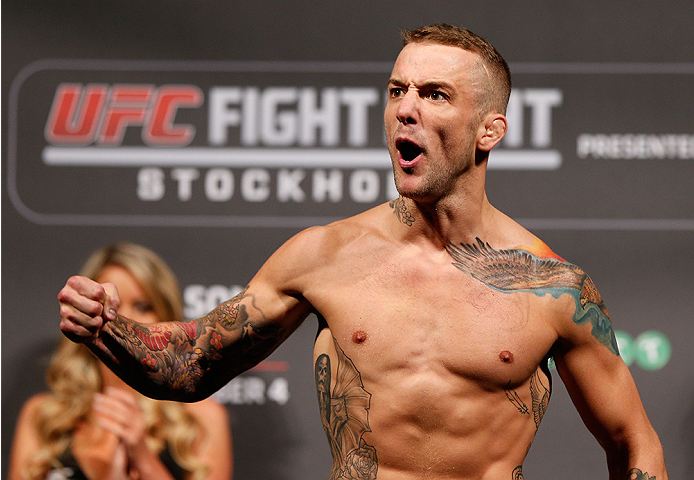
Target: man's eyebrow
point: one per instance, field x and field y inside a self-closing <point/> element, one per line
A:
<point x="428" y="85"/>
<point x="436" y="84"/>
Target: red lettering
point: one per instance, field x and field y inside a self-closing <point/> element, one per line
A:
<point x="98" y="114"/>
<point x="129" y="106"/>
<point x="75" y="114"/>
<point x="160" y="128"/>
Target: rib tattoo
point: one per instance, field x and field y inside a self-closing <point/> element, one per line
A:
<point x="540" y="396"/>
<point x="515" y="399"/>
<point x="345" y="417"/>
<point x="517" y="473"/>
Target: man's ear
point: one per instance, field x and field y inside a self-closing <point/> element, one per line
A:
<point x="492" y="130"/>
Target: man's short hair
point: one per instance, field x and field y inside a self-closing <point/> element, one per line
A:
<point x="492" y="64"/>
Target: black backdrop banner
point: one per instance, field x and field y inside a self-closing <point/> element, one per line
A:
<point x="213" y="131"/>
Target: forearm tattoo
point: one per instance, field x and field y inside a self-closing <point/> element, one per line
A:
<point x="345" y="417"/>
<point x="516" y="270"/>
<point x="179" y="356"/>
<point x="636" y="474"/>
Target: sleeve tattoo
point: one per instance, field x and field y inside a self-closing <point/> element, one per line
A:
<point x="200" y="356"/>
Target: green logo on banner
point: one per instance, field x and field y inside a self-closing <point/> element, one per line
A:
<point x="651" y="350"/>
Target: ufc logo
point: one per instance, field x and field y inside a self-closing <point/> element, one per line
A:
<point x="99" y="114"/>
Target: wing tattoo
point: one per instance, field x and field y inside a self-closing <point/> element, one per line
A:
<point x="540" y="395"/>
<point x="516" y="270"/>
<point x="513" y="270"/>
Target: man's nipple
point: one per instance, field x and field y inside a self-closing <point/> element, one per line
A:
<point x="359" y="337"/>
<point x="506" y="356"/>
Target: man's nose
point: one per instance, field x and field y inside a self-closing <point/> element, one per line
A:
<point x="407" y="112"/>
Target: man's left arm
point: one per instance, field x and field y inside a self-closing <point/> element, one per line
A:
<point x="603" y="390"/>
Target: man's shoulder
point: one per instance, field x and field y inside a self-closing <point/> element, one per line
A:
<point x="538" y="248"/>
<point x="345" y="231"/>
<point x="514" y="236"/>
<point x="323" y="242"/>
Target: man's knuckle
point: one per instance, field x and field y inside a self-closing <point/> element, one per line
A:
<point x="95" y="309"/>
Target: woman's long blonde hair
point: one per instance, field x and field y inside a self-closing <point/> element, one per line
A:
<point x="73" y="375"/>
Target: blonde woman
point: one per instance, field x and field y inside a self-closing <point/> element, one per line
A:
<point x="92" y="426"/>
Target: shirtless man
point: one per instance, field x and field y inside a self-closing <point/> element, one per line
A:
<point x="437" y="313"/>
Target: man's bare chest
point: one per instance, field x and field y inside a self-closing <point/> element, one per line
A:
<point x="422" y="318"/>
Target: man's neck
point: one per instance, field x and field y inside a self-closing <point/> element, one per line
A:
<point x="460" y="218"/>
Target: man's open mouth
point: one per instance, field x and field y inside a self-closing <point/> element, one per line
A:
<point x="408" y="150"/>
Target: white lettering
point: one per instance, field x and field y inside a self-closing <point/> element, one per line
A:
<point x="258" y="185"/>
<point x="327" y="185"/>
<point x="254" y="390"/>
<point x="364" y="186"/>
<point x="150" y="184"/>
<point x="242" y="391"/>
<point x="325" y="118"/>
<point x="277" y="127"/>
<point x="255" y="185"/>
<point x="284" y="116"/>
<point x="219" y="184"/>
<point x="278" y="391"/>
<point x="200" y="300"/>
<point x="251" y="390"/>
<point x="288" y="185"/>
<point x="635" y="146"/>
<point x="249" y="129"/>
<point x="358" y="101"/>
<point x="514" y="116"/>
<point x="221" y="116"/>
<point x="540" y="102"/>
<point x="185" y="178"/>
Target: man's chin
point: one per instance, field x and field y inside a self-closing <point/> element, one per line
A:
<point x="416" y="195"/>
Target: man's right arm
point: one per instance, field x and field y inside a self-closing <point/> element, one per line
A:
<point x="188" y="361"/>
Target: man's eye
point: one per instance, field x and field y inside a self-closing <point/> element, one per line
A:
<point x="437" y="96"/>
<point x="396" y="92"/>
